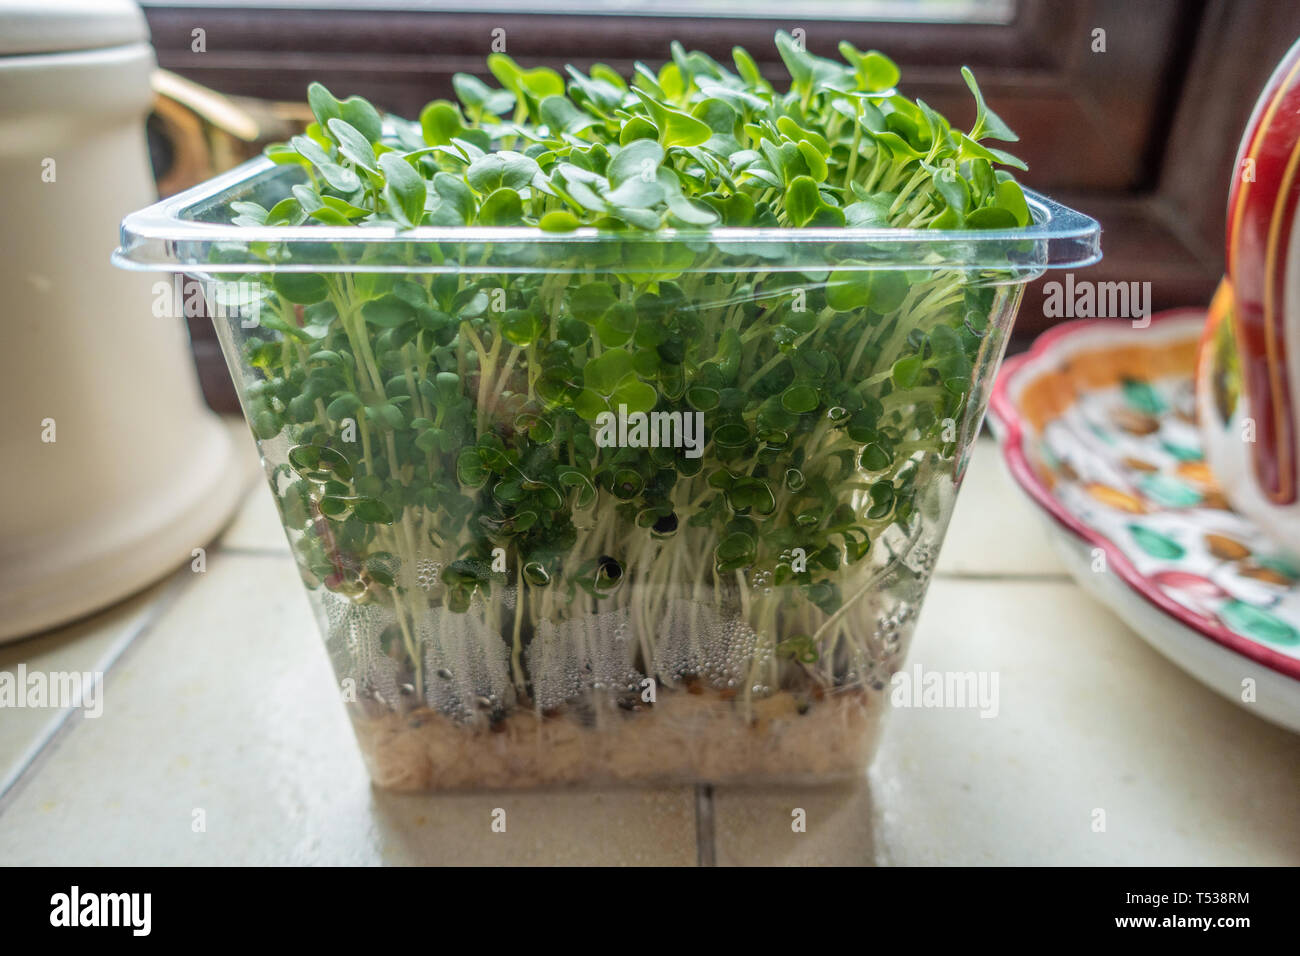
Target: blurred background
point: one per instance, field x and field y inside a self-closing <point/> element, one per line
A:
<point x="1128" y="111"/>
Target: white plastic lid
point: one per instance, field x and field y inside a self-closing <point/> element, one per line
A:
<point x="59" y="26"/>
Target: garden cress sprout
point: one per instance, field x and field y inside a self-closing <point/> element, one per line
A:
<point x="450" y="419"/>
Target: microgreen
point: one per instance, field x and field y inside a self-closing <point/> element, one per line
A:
<point x="452" y="417"/>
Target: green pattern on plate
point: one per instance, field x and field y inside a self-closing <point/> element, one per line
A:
<point x="1257" y="623"/>
<point x="1169" y="491"/>
<point x="1156" y="544"/>
<point x="1182" y="452"/>
<point x="1125" y="459"/>
<point x="1281" y="564"/>
<point x="1143" y="397"/>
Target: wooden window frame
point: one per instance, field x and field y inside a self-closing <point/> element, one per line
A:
<point x="1142" y="136"/>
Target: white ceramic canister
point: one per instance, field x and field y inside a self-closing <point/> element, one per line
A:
<point x="114" y="470"/>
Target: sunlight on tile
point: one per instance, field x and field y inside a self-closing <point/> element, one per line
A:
<point x="78" y="647"/>
<point x="1086" y="718"/>
<point x="1089" y="719"/>
<point x="995" y="529"/>
<point x="793" y="826"/>
<point x="256" y="525"/>
<point x="226" y="713"/>
<point x="652" y="827"/>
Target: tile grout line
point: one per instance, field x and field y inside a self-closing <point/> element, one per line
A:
<point x="1026" y="577"/>
<point x="705" y="847"/>
<point x="59" y="723"/>
<point x="246" y="551"/>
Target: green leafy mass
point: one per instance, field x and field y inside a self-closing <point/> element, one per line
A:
<point x="441" y="418"/>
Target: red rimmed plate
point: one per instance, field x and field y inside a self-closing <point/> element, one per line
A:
<point x="1096" y="424"/>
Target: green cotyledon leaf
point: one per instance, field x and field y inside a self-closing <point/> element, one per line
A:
<point x="444" y="399"/>
<point x="404" y="189"/>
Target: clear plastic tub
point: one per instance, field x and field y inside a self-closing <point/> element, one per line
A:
<point x="588" y="508"/>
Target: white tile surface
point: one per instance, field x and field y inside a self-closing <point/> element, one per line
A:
<point x="87" y="646"/>
<point x="1090" y="718"/>
<point x="256" y="526"/>
<point x="757" y="826"/>
<point x="995" y="531"/>
<point x="225" y="705"/>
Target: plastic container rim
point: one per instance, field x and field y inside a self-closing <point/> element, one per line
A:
<point x="167" y="236"/>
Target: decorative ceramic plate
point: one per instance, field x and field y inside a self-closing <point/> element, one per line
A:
<point x="1096" y="424"/>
